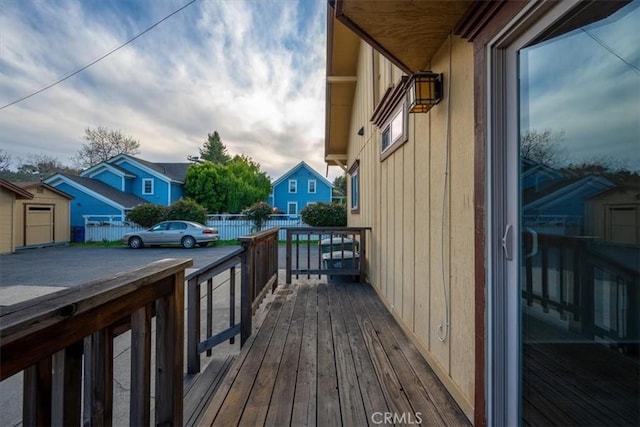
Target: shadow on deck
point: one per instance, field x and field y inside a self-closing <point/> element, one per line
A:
<point x="330" y="354"/>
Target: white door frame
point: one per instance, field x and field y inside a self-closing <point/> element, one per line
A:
<point x="503" y="242"/>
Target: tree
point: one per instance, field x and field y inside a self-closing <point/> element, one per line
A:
<point x="102" y="144"/>
<point x="341" y="183"/>
<point x="36" y="167"/>
<point x="325" y="215"/>
<point x="229" y="187"/>
<point x="5" y="161"/>
<point x="543" y="147"/>
<point x="258" y="213"/>
<point x="187" y="210"/>
<point x="213" y="150"/>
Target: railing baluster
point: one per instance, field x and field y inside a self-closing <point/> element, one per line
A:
<point x="210" y="311"/>
<point x="193" y="325"/>
<point x="67" y="386"/>
<point x="100" y="380"/>
<point x="140" y="413"/>
<point x="232" y="302"/>
<point x="36" y="409"/>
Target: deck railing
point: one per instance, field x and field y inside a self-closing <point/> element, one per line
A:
<point x="332" y="251"/>
<point x="64" y="339"/>
<point x="258" y="263"/>
<point x="64" y="342"/>
<point x="575" y="275"/>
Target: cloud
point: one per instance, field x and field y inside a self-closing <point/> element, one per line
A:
<point x="253" y="71"/>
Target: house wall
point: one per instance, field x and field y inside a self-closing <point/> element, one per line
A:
<point x="282" y="196"/>
<point x="7" y="200"/>
<point x="624" y="227"/>
<point x="61" y="206"/>
<point x="419" y="251"/>
<point x="177" y="192"/>
<point x="109" y="178"/>
<point x="85" y="204"/>
<point x="160" y="194"/>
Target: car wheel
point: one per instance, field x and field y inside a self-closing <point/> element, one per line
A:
<point x="188" y="242"/>
<point x="135" y="243"/>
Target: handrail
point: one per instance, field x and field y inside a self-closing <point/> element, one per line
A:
<point x="345" y="253"/>
<point x="53" y="336"/>
<point x="258" y="260"/>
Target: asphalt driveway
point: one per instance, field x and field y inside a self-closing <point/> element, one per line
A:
<point x="65" y="266"/>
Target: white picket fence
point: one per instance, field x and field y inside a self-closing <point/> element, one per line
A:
<point x="109" y="228"/>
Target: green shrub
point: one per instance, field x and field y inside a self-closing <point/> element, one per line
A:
<point x="187" y="210"/>
<point x="147" y="215"/>
<point x="325" y="215"/>
<point x="259" y="213"/>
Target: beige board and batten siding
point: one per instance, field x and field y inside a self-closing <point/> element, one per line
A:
<point x="7" y="200"/>
<point x="414" y="242"/>
<point x="43" y="220"/>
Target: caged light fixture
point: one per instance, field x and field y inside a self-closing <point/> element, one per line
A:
<point x="424" y="90"/>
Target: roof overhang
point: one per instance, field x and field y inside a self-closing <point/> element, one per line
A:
<point x="342" y="69"/>
<point x="407" y="32"/>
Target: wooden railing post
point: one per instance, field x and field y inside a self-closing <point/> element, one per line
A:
<point x="140" y="412"/>
<point x="36" y="410"/>
<point x="169" y="354"/>
<point x="246" y="285"/>
<point x="193" y="326"/>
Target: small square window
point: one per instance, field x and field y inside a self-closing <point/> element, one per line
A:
<point x="292" y="208"/>
<point x="293" y="186"/>
<point x="312" y="186"/>
<point x="147" y="186"/>
<point x="393" y="133"/>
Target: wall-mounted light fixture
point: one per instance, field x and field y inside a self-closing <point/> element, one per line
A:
<point x="424" y="90"/>
<point x="361" y="131"/>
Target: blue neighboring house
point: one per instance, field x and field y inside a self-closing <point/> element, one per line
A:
<point x="299" y="187"/>
<point x="119" y="184"/>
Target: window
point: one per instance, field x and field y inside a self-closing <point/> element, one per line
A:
<point x="394" y="131"/>
<point x="355" y="186"/>
<point x="292" y="208"/>
<point x="390" y="116"/>
<point x="293" y="186"/>
<point x="147" y="186"/>
<point x="312" y="186"/>
<point x="177" y="226"/>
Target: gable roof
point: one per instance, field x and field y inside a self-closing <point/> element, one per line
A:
<point x="30" y="185"/>
<point x="19" y="192"/>
<point x="115" y="168"/>
<point x="126" y="200"/>
<point x="174" y="171"/>
<point x="297" y="167"/>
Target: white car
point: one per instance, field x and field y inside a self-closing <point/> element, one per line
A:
<point x="185" y="233"/>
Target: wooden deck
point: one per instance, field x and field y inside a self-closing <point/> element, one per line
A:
<point x="328" y="355"/>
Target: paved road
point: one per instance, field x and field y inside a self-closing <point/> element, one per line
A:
<point x="73" y="265"/>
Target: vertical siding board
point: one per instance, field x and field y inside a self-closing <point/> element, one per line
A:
<point x="408" y="255"/>
<point x="462" y="253"/>
<point x="399" y="227"/>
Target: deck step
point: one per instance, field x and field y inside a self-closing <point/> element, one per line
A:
<point x="200" y="388"/>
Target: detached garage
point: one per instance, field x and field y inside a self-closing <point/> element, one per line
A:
<point x="9" y="194"/>
<point x="43" y="220"/>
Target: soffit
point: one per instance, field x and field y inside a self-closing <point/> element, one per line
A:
<point x="407" y="32"/>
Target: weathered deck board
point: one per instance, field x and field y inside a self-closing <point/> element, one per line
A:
<point x="329" y="354"/>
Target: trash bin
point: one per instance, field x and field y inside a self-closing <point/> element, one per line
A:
<point x="77" y="234"/>
<point x="338" y="244"/>
<point x="337" y="260"/>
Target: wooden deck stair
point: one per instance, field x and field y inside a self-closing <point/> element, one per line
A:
<point x="329" y="354"/>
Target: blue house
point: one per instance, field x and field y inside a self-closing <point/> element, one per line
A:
<point x="119" y="184"/>
<point x="299" y="187"/>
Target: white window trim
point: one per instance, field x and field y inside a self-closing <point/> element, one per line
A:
<point x="292" y="203"/>
<point x="400" y="113"/>
<point x="295" y="183"/>
<point x="144" y="186"/>
<point x="315" y="186"/>
<point x="354" y="172"/>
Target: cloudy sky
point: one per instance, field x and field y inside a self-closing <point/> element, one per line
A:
<point x="251" y="69"/>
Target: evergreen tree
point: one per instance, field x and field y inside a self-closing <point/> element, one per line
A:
<point x="213" y="150"/>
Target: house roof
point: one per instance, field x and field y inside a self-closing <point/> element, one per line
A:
<point x="116" y="168"/>
<point x="173" y="171"/>
<point x="30" y="185"/>
<point x="19" y="192"/>
<point x="295" y="169"/>
<point x="559" y="192"/>
<point x="120" y="197"/>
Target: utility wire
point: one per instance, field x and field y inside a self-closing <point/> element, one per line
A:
<point x="611" y="51"/>
<point x="79" y="70"/>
